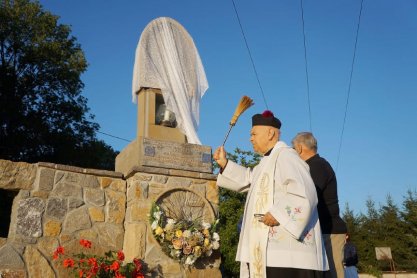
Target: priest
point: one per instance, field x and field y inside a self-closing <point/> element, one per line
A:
<point x="280" y="234"/>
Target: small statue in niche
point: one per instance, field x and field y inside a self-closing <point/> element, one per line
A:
<point x="165" y="117"/>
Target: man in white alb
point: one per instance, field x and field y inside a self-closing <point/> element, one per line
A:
<point x="280" y="235"/>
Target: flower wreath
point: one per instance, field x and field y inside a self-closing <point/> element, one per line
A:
<point x="184" y="240"/>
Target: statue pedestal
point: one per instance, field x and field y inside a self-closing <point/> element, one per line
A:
<point x="178" y="177"/>
<point x="160" y="166"/>
<point x="146" y="152"/>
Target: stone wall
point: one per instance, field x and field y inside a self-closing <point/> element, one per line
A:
<point x="58" y="205"/>
<point x="144" y="188"/>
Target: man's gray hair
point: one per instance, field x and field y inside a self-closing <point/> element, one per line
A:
<point x="307" y="139"/>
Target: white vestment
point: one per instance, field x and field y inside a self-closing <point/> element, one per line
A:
<point x="296" y="242"/>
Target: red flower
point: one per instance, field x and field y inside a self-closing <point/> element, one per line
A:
<point x="267" y="114"/>
<point x="137" y="263"/>
<point x="137" y="274"/>
<point x="68" y="263"/>
<point x="115" y="266"/>
<point x="59" y="250"/>
<point x="105" y="267"/>
<point x="85" y="243"/>
<point x="94" y="265"/>
<point x="90" y="266"/>
<point x="94" y="270"/>
<point x="118" y="275"/>
<point x="120" y="255"/>
<point x="92" y="261"/>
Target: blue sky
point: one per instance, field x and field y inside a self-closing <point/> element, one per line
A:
<point x="377" y="157"/>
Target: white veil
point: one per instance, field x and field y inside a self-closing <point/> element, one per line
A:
<point x="167" y="59"/>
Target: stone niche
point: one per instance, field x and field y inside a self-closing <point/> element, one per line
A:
<point x="185" y="192"/>
<point x="160" y="146"/>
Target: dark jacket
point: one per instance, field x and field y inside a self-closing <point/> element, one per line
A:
<point x="328" y="203"/>
<point x="350" y="257"/>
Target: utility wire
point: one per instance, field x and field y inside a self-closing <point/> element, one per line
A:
<point x="306" y="66"/>
<point x="350" y="83"/>
<point x="113" y="136"/>
<point x="250" y="55"/>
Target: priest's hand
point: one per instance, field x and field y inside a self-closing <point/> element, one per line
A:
<point x="269" y="220"/>
<point x="220" y="156"/>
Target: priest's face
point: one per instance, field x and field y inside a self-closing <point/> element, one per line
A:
<point x="263" y="138"/>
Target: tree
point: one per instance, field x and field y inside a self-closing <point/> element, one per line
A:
<point x="409" y="236"/>
<point x="366" y="238"/>
<point x="387" y="226"/>
<point x="392" y="226"/>
<point x="352" y="223"/>
<point x="410" y="211"/>
<point x="231" y="210"/>
<point x="43" y="116"/>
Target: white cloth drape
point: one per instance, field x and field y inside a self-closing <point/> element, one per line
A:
<point x="167" y="59"/>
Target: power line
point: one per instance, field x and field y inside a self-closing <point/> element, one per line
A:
<point x="306" y="65"/>
<point x="250" y="55"/>
<point x="113" y="136"/>
<point x="350" y="83"/>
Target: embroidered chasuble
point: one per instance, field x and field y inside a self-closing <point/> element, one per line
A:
<point x="280" y="184"/>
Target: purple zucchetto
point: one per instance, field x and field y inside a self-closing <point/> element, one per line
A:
<point x="267" y="118"/>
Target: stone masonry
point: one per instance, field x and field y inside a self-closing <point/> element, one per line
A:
<point x="59" y="205"/>
<point x="142" y="190"/>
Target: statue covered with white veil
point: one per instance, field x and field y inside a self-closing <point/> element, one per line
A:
<point x="167" y="59"/>
<point x="168" y="84"/>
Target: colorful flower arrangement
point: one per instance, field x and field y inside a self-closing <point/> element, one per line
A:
<point x="184" y="240"/>
<point x="89" y="266"/>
